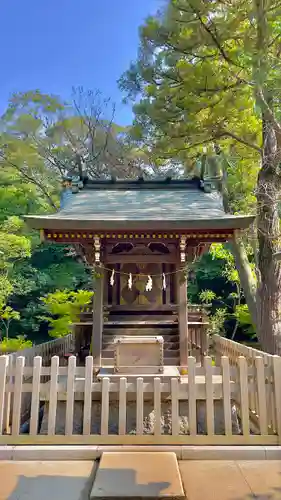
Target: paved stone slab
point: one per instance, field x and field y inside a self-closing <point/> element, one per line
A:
<point x="263" y="477"/>
<point x="214" y="480"/>
<point x="138" y="475"/>
<point x="46" y="480"/>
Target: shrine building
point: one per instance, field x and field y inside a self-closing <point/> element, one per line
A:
<point x="140" y="235"/>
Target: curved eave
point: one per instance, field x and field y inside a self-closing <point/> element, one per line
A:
<point x="227" y="222"/>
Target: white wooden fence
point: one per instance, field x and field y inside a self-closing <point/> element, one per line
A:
<point x="233" y="350"/>
<point x="226" y="347"/>
<point x="59" y="346"/>
<point x="250" y="388"/>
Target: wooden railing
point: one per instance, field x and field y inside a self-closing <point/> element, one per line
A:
<point x="59" y="346"/>
<point x="199" y="407"/>
<point x="198" y="339"/>
<point x="234" y="350"/>
<point x="46" y="350"/>
<point x="226" y="347"/>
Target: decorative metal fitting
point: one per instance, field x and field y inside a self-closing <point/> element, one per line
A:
<point x="97" y="247"/>
<point x="182" y="248"/>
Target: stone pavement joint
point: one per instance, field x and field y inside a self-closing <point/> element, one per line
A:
<point x="138" y="475"/>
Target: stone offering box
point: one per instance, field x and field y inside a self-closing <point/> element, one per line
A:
<point x="138" y="355"/>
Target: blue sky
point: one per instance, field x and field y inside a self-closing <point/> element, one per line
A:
<point x="53" y="45"/>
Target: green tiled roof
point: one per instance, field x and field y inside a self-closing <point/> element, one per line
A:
<point x="177" y="203"/>
<point x="145" y="204"/>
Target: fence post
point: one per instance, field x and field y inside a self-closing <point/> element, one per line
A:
<point x="17" y="395"/>
<point x="277" y="393"/>
<point x="157" y="406"/>
<point x="244" y="394"/>
<point x="3" y="371"/>
<point x="139" y="408"/>
<point x="105" y="406"/>
<point x="175" y="406"/>
<point x="209" y="396"/>
<point x="88" y="396"/>
<point x="35" y="397"/>
<point x="70" y="395"/>
<point x="53" y="396"/>
<point x="226" y="395"/>
<point x="122" y="406"/>
<point x="261" y="406"/>
<point x="192" y="411"/>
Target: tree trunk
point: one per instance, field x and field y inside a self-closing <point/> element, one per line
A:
<point x="247" y="280"/>
<point x="269" y="279"/>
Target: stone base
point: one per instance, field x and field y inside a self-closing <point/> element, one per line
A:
<point x="138" y="475"/>
<point x="148" y="420"/>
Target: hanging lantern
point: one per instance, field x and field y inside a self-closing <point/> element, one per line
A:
<point x="164" y="284"/>
<point x="148" y="287"/>
<point x="130" y="282"/>
<point x="112" y="277"/>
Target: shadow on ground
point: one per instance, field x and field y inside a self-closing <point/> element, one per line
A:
<point x="39" y="481"/>
<point x="56" y="487"/>
<point x="120" y="482"/>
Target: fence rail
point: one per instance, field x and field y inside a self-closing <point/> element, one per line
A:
<point x="226" y="347"/>
<point x="195" y="409"/>
<point x="46" y="350"/>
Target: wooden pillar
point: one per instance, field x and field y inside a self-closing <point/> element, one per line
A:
<point x="106" y="279"/>
<point x="96" y="347"/>
<point x="182" y="315"/>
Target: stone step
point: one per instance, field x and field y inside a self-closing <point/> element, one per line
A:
<point x="168" y="353"/>
<point x="142" y="317"/>
<point x="109" y="361"/>
<point x="167" y="345"/>
<point x="140" y="331"/>
<point x="131" y="475"/>
<point x="132" y="323"/>
<point x="169" y="335"/>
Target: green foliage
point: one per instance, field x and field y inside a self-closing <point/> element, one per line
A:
<point x="16" y="344"/>
<point x="49" y="269"/>
<point x="243" y="316"/>
<point x="207" y="296"/>
<point x="40" y="137"/>
<point x="186" y="93"/>
<point x="214" y="280"/>
<point x="14" y="246"/>
<point x="64" y="308"/>
<point x="217" y="322"/>
<point x="207" y="76"/>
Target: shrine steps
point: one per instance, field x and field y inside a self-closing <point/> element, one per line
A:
<point x="144" y="317"/>
<point x="165" y="328"/>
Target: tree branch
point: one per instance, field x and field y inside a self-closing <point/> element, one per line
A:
<point x="268" y="110"/>
<point x="32" y="180"/>
<point x="249" y="144"/>
<point x="213" y="36"/>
